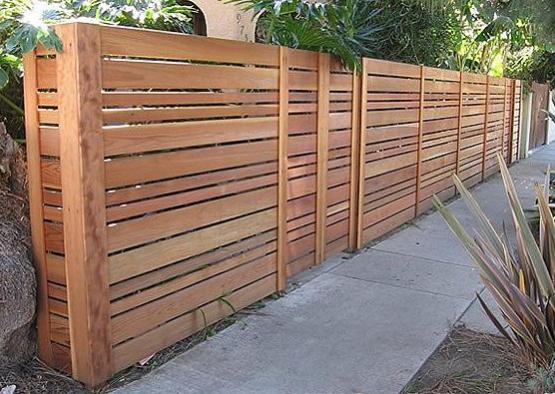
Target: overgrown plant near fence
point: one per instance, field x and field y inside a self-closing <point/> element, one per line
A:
<point x="175" y="179"/>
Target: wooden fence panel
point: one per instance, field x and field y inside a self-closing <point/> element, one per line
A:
<point x="391" y="98"/>
<point x="472" y="128"/>
<point x="494" y="136"/>
<point x="339" y="188"/>
<point x="439" y="135"/>
<point x="217" y="169"/>
<point x="302" y="161"/>
<point x="45" y="195"/>
<point x="538" y="120"/>
<point x="191" y="185"/>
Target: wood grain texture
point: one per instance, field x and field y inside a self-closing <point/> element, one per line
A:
<point x="179" y="173"/>
<point x="322" y="148"/>
<point x="420" y="136"/>
<point x="355" y="162"/>
<point x="36" y="212"/>
<point x="362" y="151"/>
<point x="82" y="172"/>
<point x="485" y="130"/>
<point x="283" y="132"/>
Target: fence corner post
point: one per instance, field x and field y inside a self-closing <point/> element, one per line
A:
<point x="84" y="210"/>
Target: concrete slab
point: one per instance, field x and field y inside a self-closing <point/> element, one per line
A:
<point x="413" y="273"/>
<point x="428" y="244"/>
<point x="475" y="317"/>
<point x="355" y="325"/>
<point x="333" y="335"/>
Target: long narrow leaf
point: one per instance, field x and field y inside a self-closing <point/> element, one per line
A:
<point x="521" y="225"/>
<point x="474" y="207"/>
<point x="547" y="223"/>
<point x="494" y="319"/>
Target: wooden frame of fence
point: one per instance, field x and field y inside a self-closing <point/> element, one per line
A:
<point x="175" y="179"/>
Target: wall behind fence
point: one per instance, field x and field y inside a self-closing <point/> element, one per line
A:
<point x="175" y="179"/>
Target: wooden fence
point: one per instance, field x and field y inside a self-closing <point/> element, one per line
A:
<point x="175" y="179"/>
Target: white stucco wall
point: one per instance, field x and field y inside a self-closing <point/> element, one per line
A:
<point x="224" y="20"/>
<point x="525" y="122"/>
<point x="551" y="127"/>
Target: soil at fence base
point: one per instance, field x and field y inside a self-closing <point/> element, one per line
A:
<point x="469" y="362"/>
<point x="36" y="377"/>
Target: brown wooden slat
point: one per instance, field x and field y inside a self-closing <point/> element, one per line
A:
<point x="143" y="138"/>
<point x="159" y="254"/>
<point x="150" y="228"/>
<point x="132" y="74"/>
<point x="132" y="170"/>
<point x="35" y="170"/>
<point x="127" y="41"/>
<point x="141" y="320"/>
<point x="185" y="325"/>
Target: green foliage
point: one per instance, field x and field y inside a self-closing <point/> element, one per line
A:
<point x="543" y="379"/>
<point x="26" y="23"/>
<point x="542" y="69"/>
<point x="415" y="32"/>
<point x="344" y="28"/>
<point x="521" y="282"/>
<point x="469" y="35"/>
<point x="168" y="15"/>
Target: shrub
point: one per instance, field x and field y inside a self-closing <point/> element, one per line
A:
<point x="521" y="281"/>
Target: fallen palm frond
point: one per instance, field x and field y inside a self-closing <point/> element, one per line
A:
<point x="521" y="281"/>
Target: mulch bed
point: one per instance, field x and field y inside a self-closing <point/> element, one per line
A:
<point x="469" y="362"/>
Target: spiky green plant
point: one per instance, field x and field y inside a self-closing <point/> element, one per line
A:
<point x="345" y="28"/>
<point x="521" y="281"/>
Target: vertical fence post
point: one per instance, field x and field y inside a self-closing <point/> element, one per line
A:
<point x="519" y="125"/>
<point x="355" y="146"/>
<point x="485" y="140"/>
<point x="362" y="152"/>
<point x="459" y="126"/>
<point x="511" y="122"/>
<point x="83" y="192"/>
<point x="420" y="138"/>
<point x="36" y="205"/>
<point x="322" y="155"/>
<point x="504" y="117"/>
<point x="283" y="130"/>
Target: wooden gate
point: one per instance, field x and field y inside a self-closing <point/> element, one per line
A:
<point x="538" y="126"/>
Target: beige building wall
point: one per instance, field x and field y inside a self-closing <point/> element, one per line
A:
<point x="224" y="20"/>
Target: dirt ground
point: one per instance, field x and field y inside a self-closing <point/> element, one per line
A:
<point x="468" y="362"/>
<point x="37" y="378"/>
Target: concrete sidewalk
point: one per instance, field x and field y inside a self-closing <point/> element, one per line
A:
<point x="356" y="325"/>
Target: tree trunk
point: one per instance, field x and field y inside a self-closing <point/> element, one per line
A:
<point x="17" y="275"/>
